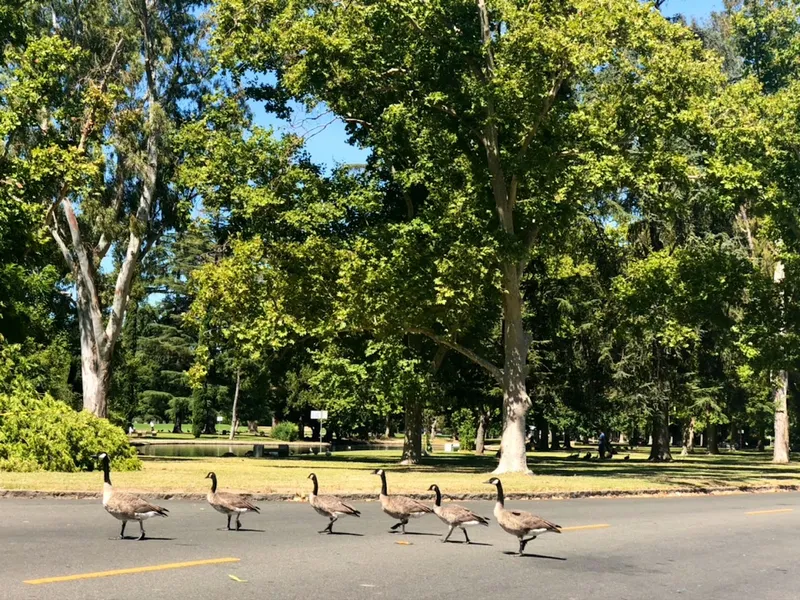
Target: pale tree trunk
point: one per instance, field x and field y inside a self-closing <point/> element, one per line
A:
<point x="480" y="436"/>
<point x="688" y="438"/>
<point x="543" y="432"/>
<point x="515" y="395"/>
<point x="234" y="412"/>
<point x="780" y="448"/>
<point x="97" y="342"/>
<point x="660" y="451"/>
<point x="412" y="441"/>
<point x="252" y="427"/>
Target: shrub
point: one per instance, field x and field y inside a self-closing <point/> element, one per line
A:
<point x="464" y="423"/>
<point x="285" y="431"/>
<point x="40" y="433"/>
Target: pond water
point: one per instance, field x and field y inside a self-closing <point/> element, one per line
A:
<point x="242" y="450"/>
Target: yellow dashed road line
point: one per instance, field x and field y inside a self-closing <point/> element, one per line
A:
<point x="584" y="527"/>
<point x="769" y="512"/>
<point x="131" y="571"/>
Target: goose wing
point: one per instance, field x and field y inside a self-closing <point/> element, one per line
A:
<point x="405" y="505"/>
<point x="455" y="514"/>
<point x="332" y="504"/>
<point x="128" y="503"/>
<point x="528" y="521"/>
<point x="235" y="502"/>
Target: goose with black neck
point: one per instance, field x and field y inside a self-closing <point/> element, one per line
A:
<point x="401" y="508"/>
<point x="519" y="523"/>
<point x="123" y="506"/>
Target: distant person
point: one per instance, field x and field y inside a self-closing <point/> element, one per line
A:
<point x="131" y="430"/>
<point x="152" y="426"/>
<point x="601" y="445"/>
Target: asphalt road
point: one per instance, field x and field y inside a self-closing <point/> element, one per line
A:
<point x="685" y="547"/>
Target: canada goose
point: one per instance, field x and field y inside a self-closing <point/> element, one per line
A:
<point x="455" y="516"/>
<point x="227" y="503"/>
<point x="587" y="456"/>
<point x="126" y="507"/>
<point x="400" y="507"/>
<point x="329" y="506"/>
<point x="627" y="457"/>
<point x="518" y="522"/>
<point x="574" y="456"/>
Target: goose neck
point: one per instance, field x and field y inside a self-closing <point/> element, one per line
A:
<point x="106" y="472"/>
<point x="214" y="484"/>
<point x="384" y="490"/>
<point x="316" y="486"/>
<point x="438" y="496"/>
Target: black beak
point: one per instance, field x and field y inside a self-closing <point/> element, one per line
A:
<point x="489" y="482"/>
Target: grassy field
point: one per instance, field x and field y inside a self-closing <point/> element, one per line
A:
<point x="349" y="472"/>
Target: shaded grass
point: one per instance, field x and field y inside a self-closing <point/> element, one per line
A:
<point x="350" y="472"/>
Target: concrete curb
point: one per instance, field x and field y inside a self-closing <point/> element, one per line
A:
<point x="362" y="497"/>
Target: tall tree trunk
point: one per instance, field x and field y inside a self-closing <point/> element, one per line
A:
<point x="554" y="443"/>
<point x="688" y="438"/>
<point x="660" y="451"/>
<point x="567" y="440"/>
<point x="412" y="441"/>
<point x="387" y="429"/>
<point x="252" y="427"/>
<point x="780" y="449"/>
<point x="480" y="436"/>
<point x="234" y="412"/>
<point x="516" y="402"/>
<point x="712" y="439"/>
<point x="543" y="432"/>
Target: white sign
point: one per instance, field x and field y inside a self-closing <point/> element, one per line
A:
<point x="220" y="419"/>
<point x="320" y="415"/>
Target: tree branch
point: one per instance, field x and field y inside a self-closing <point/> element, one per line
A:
<point x="530" y="241"/>
<point x="138" y="225"/>
<point x="493" y="370"/>
<point x="529" y="137"/>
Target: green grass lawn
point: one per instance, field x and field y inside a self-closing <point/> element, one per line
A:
<point x="349" y="472"/>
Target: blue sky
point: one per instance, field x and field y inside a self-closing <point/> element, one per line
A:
<point x="326" y="140"/>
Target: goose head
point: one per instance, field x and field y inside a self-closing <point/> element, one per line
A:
<point x="433" y="488"/>
<point x="493" y="481"/>
<point x="211" y="475"/>
<point x="378" y="472"/>
<point x="312" y="476"/>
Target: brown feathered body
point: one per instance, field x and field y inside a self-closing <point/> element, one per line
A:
<point x="330" y="506"/>
<point x="127" y="507"/>
<point x="229" y="504"/>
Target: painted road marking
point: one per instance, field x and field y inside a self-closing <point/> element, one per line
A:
<point x="164" y="567"/>
<point x="584" y="527"/>
<point x="769" y="512"/>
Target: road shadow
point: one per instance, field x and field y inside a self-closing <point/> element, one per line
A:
<point x="417" y="533"/>
<point x="346" y="533"/>
<point x="544" y="556"/>
<point x="470" y="544"/>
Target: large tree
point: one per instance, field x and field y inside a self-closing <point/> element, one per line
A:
<point x="90" y="99"/>
<point x="509" y="117"/>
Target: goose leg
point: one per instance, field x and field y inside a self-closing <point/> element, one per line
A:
<point x="465" y="535"/>
<point x="238" y="523"/>
<point x="122" y="531"/>
<point x="141" y="526"/>
<point x="229" y="522"/>
<point x="394" y="527"/>
<point x="524" y="542"/>
<point x="329" y="528"/>
<point x="403" y="525"/>
<point x="447" y="537"/>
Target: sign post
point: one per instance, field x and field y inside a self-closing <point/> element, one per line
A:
<point x="319" y="415"/>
